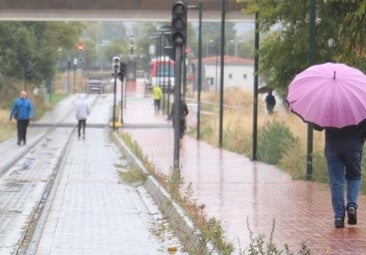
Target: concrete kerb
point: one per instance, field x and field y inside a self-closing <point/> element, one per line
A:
<point x="185" y="229"/>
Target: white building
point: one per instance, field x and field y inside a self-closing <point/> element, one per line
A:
<point x="238" y="72"/>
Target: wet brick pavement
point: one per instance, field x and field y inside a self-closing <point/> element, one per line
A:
<point x="241" y="193"/>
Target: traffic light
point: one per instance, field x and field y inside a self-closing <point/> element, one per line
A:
<point x="120" y="68"/>
<point x="179" y="23"/>
<point x="27" y="69"/>
<point x="123" y="70"/>
<point x="116" y="65"/>
<point x="80" y="54"/>
<point x="80" y="47"/>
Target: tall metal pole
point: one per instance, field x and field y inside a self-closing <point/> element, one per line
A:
<point x="199" y="71"/>
<point x="122" y="95"/>
<point x="222" y="70"/>
<point x="75" y="67"/>
<point x="114" y="100"/>
<point x="68" y="76"/>
<point x="177" y="106"/>
<point x="164" y="84"/>
<point x="74" y="87"/>
<point x="169" y="86"/>
<point x="255" y="89"/>
<point x="184" y="70"/>
<point x="26" y="67"/>
<point x="309" y="165"/>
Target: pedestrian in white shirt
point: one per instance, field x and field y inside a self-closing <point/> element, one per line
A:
<point x="82" y="112"/>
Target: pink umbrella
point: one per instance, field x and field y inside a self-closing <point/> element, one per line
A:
<point x="329" y="95"/>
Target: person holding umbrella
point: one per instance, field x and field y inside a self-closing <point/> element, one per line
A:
<point x="343" y="152"/>
<point x="331" y="97"/>
<point x="270" y="102"/>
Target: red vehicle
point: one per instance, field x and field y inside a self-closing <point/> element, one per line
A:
<point x="161" y="73"/>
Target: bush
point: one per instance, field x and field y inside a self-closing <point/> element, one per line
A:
<point x="320" y="170"/>
<point x="274" y="139"/>
<point x="260" y="245"/>
<point x="293" y="160"/>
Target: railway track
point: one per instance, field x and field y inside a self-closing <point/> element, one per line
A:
<point x="63" y="195"/>
<point x="28" y="180"/>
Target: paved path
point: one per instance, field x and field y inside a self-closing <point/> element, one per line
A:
<point x="91" y="207"/>
<point x="242" y="193"/>
<point x="92" y="211"/>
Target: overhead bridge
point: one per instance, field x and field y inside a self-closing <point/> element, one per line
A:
<point x="126" y="10"/>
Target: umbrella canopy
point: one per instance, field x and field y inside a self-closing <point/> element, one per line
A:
<point x="329" y="95"/>
<point x="265" y="89"/>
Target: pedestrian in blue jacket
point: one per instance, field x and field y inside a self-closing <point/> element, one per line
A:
<point x="23" y="111"/>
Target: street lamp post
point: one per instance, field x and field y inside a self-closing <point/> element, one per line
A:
<point x="68" y="76"/>
<point x="122" y="77"/>
<point x="255" y="89"/>
<point x="26" y="70"/>
<point x="116" y="68"/>
<point x="179" y="32"/>
<point x="75" y="64"/>
<point x="199" y="67"/>
<point x="223" y="10"/>
<point x="114" y="98"/>
<point x="160" y="56"/>
<point x="312" y="15"/>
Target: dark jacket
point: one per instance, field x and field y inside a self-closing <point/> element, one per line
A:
<point x="355" y="133"/>
<point x="183" y="110"/>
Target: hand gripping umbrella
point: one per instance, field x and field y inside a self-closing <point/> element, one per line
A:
<point x="329" y="95"/>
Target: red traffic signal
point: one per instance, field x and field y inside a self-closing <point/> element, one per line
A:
<point x="80" y="47"/>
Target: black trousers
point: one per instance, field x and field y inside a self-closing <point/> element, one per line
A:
<point x="22" y="130"/>
<point x="182" y="128"/>
<point x="157" y="105"/>
<point x="81" y="127"/>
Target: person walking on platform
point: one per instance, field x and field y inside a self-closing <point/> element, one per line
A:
<point x="23" y="111"/>
<point x="183" y="113"/>
<point x="343" y="153"/>
<point x="82" y="112"/>
<point x="270" y="102"/>
<point x="157" y="95"/>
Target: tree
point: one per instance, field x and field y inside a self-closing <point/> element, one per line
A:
<point x="36" y="45"/>
<point x="347" y="37"/>
<point x="211" y="38"/>
<point x="15" y="47"/>
<point x="144" y="37"/>
<point x="116" y="48"/>
<point x="284" y="51"/>
<point x="91" y="53"/>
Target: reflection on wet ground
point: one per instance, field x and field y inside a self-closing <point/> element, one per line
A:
<point x="244" y="195"/>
